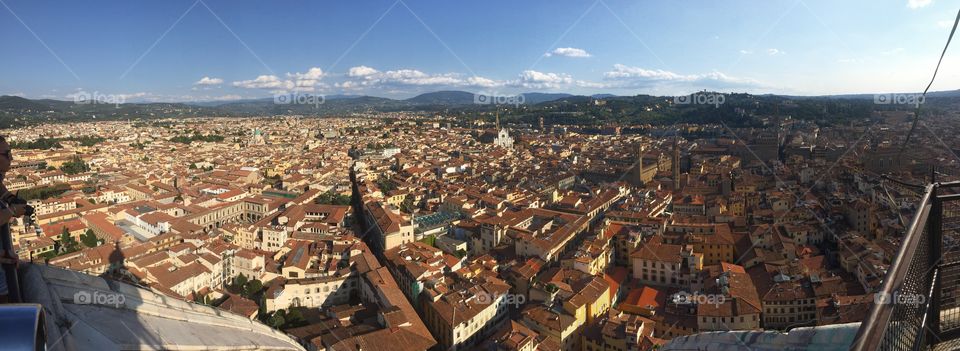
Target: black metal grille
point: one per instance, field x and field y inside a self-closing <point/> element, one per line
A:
<point x="949" y="298"/>
<point x="904" y="328"/>
<point x="949" y="268"/>
<point x="893" y="323"/>
<point x="919" y="302"/>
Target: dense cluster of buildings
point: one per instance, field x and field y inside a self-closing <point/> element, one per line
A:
<point x="423" y="233"/>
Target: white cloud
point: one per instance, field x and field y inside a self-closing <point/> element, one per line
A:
<point x="915" y="4"/>
<point x="568" y="52"/>
<point x="312" y="73"/>
<point x="623" y="71"/>
<point x="416" y="77"/>
<point x="368" y="77"/>
<point x="361" y="71"/>
<point x="482" y="82"/>
<point x="746" y="52"/>
<point x="348" y="85"/>
<point x="625" y="77"/>
<point x="542" y="80"/>
<point x="133" y="95"/>
<point x="209" y="81"/>
<point x="223" y="97"/>
<point x="399" y="81"/>
<point x="362" y="77"/>
<point x="305" y="82"/>
<point x="773" y="52"/>
<point x="263" y="82"/>
<point x="96" y="95"/>
<point x="945" y="24"/>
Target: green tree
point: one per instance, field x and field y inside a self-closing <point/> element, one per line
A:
<point x="294" y="318"/>
<point x="251" y="289"/>
<point x="74" y="166"/>
<point x="89" y="140"/>
<point x="89" y="239"/>
<point x="239" y="281"/>
<point x="429" y="240"/>
<point x="332" y="198"/>
<point x="407" y="205"/>
<point x="39" y="144"/>
<point x="67" y="243"/>
<point x="277" y="319"/>
<point x="44" y="192"/>
<point x="385" y="184"/>
<point x="197" y="297"/>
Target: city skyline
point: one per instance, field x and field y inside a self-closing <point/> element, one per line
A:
<point x="412" y="175"/>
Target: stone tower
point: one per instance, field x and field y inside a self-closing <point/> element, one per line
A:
<point x="676" y="164"/>
<point x="640" y="151"/>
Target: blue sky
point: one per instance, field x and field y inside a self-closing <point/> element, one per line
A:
<point x="211" y="49"/>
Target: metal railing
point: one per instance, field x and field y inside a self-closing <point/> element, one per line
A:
<point x="918" y="305"/>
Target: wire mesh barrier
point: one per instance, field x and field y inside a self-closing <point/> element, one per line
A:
<point x="904" y="328"/>
<point x="949" y="268"/>
<point x="918" y="305"/>
<point x="949" y="298"/>
<point x="893" y="325"/>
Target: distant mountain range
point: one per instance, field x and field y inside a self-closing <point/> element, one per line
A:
<point x="16" y="110"/>
<point x="445" y="97"/>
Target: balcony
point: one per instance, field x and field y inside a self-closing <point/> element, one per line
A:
<point x="919" y="305"/>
